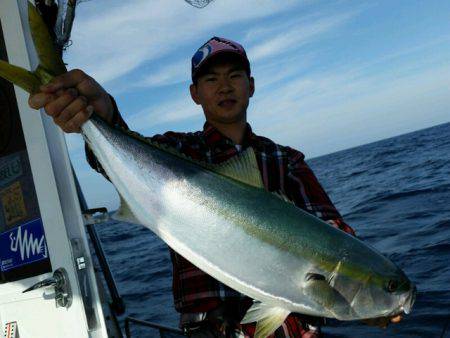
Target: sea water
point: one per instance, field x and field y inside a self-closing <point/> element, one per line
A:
<point x="395" y="193"/>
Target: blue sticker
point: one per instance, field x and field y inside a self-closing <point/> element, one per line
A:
<point x="23" y="245"/>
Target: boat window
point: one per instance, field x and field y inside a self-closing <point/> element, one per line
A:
<point x="23" y="248"/>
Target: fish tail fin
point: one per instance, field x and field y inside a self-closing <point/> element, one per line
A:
<point x="268" y="318"/>
<point x="20" y="77"/>
<point x="51" y="63"/>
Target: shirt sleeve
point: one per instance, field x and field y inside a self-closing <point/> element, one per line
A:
<point x="303" y="188"/>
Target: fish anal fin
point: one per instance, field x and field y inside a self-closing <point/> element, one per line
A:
<point x="124" y="213"/>
<point x="242" y="168"/>
<point x="268" y="318"/>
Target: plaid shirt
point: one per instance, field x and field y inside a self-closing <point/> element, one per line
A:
<point x="283" y="170"/>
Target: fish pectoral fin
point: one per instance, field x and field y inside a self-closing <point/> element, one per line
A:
<point x="268" y="318"/>
<point x="324" y="294"/>
<point x="243" y="168"/>
<point x="124" y="213"/>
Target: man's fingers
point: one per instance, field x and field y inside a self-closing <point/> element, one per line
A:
<point x="66" y="80"/>
<point x="68" y="109"/>
<point x="74" y="125"/>
<point x="396" y="319"/>
<point x="60" y="92"/>
<point x="39" y="100"/>
<point x="383" y="322"/>
<point x="56" y="107"/>
<point x="380" y="322"/>
<point x="77" y="105"/>
<point x="86" y="86"/>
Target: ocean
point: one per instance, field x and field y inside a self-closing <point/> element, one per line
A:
<point x="395" y="193"/>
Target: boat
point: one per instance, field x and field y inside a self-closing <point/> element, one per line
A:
<point x="55" y="280"/>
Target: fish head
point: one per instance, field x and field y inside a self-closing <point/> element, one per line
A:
<point x="372" y="292"/>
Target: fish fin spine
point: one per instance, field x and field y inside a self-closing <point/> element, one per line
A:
<point x="282" y="196"/>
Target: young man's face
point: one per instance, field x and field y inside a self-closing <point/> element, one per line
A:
<point x="223" y="90"/>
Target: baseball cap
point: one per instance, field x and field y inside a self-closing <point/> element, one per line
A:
<point x="215" y="46"/>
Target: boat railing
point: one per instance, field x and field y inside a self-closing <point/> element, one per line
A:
<point x="116" y="305"/>
<point x="117" y="302"/>
<point x="164" y="331"/>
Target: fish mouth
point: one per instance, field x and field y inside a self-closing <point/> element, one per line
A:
<point x="409" y="301"/>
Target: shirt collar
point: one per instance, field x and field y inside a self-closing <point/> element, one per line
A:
<point x="214" y="137"/>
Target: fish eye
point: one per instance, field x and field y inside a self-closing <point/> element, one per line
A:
<point x="392" y="285"/>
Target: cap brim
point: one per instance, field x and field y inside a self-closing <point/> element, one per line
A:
<point x="208" y="59"/>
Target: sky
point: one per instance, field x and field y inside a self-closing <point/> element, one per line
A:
<point x="330" y="75"/>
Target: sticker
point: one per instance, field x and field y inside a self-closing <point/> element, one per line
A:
<point x="10" y="169"/>
<point x="13" y="203"/>
<point x="23" y="245"/>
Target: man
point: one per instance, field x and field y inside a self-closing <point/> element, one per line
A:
<point x="222" y="85"/>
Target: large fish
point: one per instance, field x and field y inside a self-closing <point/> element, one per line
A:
<point x="221" y="219"/>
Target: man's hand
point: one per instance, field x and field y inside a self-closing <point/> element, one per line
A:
<point x="383" y="322"/>
<point x="71" y="98"/>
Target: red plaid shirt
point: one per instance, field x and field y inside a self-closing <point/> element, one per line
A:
<point x="283" y="170"/>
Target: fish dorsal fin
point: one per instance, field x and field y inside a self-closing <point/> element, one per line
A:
<point x="268" y="318"/>
<point x="243" y="168"/>
<point x="124" y="213"/>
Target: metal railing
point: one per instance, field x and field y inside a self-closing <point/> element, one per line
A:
<point x="117" y="305"/>
<point x="117" y="302"/>
<point x="161" y="328"/>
